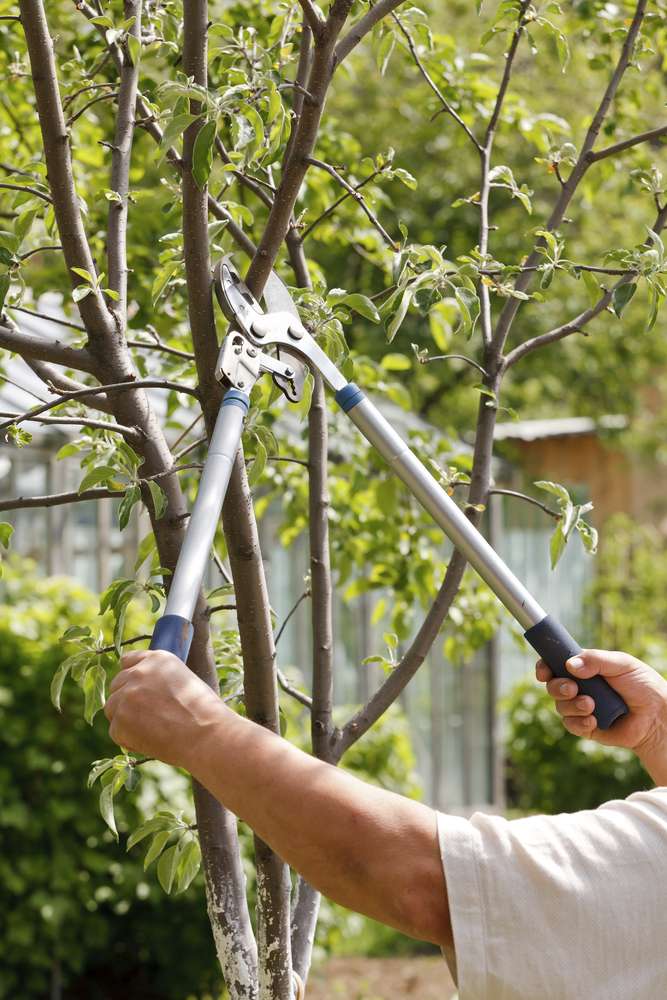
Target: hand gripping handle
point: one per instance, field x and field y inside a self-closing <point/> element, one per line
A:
<point x="555" y="645"/>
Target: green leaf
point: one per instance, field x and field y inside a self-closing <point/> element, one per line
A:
<point x="80" y="292"/>
<point x="188" y="866"/>
<point x="57" y="684"/>
<point x="158" y="498"/>
<point x="362" y="305"/>
<point x="99" y="474"/>
<point x="166" y="867"/>
<point x="94" y="681"/>
<point x="163" y="821"/>
<point x="396" y="363"/>
<point x="175" y="127"/>
<point x="469" y="308"/>
<point x="622" y="295"/>
<point x="589" y="536"/>
<point x="5" y="282"/>
<point x="132" y="496"/>
<point x="82" y="273"/>
<point x="6" y="532"/>
<point x="106" y="808"/>
<point x="406" y="178"/>
<point x="202" y="153"/>
<point x="399" y="315"/>
<point x="157" y="845"/>
<point x="557" y="545"/>
<point x="258" y="465"/>
<point x="134" y="49"/>
<point x="99" y="767"/>
<point x="555" y="489"/>
<point x="592" y="287"/>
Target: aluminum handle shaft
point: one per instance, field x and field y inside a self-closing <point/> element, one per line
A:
<point x="518" y="601"/>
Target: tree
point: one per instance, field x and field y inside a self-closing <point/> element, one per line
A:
<point x="195" y="129"/>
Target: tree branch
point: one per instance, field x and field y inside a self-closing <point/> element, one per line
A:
<point x="293" y="691"/>
<point x="334" y="205"/>
<point x="31" y="190"/>
<point x="51" y="319"/>
<point x="362" y="27"/>
<point x="446" y="106"/>
<point x="30" y="346"/>
<point x="131" y="433"/>
<point x="313" y="17"/>
<point x="579" y="322"/>
<point x="619" y="147"/>
<point x="528" y="499"/>
<point x="130" y="386"/>
<point x="76" y="249"/>
<point x="121" y="154"/>
<point x="353" y="192"/>
<point x="511" y="307"/>
<point x="485" y="184"/>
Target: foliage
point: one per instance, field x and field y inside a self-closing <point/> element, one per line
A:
<point x="627" y="598"/>
<point x="550" y="771"/>
<point x="77" y="908"/>
<point x="406" y="240"/>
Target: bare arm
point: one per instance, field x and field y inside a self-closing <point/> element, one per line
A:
<point x="368" y="849"/>
<point x="643" y="730"/>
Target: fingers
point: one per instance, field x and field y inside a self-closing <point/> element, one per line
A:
<point x="136" y="656"/>
<point x="609" y="663"/>
<point x="584" y="727"/>
<point x="542" y="671"/>
<point x="578" y="707"/>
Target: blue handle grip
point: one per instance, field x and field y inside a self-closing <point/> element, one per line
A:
<point x="173" y="634"/>
<point x="555" y="645"/>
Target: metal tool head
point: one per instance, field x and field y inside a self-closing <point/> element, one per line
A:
<point x="242" y="309"/>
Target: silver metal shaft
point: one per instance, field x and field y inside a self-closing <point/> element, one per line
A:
<point x="198" y="541"/>
<point x="518" y="601"/>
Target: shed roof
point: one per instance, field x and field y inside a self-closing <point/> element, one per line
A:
<point x="536" y="430"/>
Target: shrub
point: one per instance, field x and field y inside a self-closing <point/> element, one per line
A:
<point x="77" y="909"/>
<point x="550" y="771"/>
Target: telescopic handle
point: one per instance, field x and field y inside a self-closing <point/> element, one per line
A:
<point x="555" y="645"/>
<point x="173" y="632"/>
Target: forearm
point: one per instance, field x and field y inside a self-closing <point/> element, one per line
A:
<point x="368" y="849"/>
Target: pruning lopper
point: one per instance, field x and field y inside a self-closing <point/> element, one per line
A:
<point x="276" y="342"/>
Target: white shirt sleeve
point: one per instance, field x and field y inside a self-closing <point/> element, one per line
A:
<point x="560" y="907"/>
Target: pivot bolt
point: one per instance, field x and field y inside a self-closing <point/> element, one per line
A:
<point x="252" y="353"/>
<point x="295" y="332"/>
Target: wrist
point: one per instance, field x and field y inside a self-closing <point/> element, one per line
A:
<point x="652" y="753"/>
<point x="202" y="730"/>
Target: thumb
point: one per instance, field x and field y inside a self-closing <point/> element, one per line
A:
<point x="590" y="662"/>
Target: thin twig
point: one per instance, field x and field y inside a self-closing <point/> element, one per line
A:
<point x="149" y="383"/>
<point x="79" y="422"/>
<point x="94" y="100"/>
<point x="453" y="357"/>
<point x="287" y="458"/>
<point x="334" y="205"/>
<point x="446" y="106"/>
<point x="280" y="631"/>
<point x="289" y="688"/>
<point x="354" y="193"/>
<point x="362" y="27"/>
<point x="528" y="499"/>
<point x="601" y="154"/>
<point x="31" y="253"/>
<point x="5" y="185"/>
<point x="51" y="319"/>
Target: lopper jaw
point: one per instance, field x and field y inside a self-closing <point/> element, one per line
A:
<point x="242" y="359"/>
